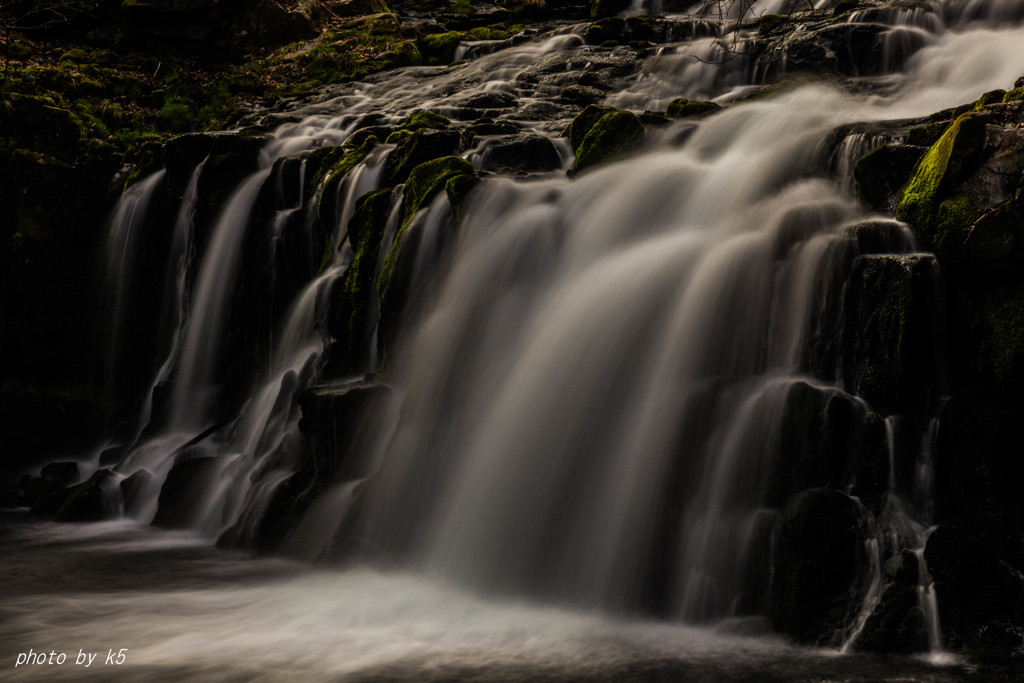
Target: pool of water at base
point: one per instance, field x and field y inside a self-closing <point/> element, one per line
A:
<point x="183" y="610"/>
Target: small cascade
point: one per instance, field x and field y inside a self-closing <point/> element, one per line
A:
<point x="123" y="244"/>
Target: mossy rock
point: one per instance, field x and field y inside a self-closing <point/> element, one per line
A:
<point x="428" y="179"/>
<point x="458" y="190"/>
<point x="440" y="48"/>
<point x="425" y="119"/>
<point x="418" y="148"/>
<point x="327" y="210"/>
<point x="880" y="175"/>
<point x="613" y="134"/>
<point x="583" y="122"/>
<point x="351" y="320"/>
<point x="940" y="216"/>
<point x="600" y="9"/>
<point x="610" y="29"/>
<point x="1015" y="95"/>
<point x="994" y="249"/>
<point x="771" y="22"/>
<point x="683" y="108"/>
<point x="395" y="285"/>
<point x="319" y="164"/>
<point x="927" y="134"/>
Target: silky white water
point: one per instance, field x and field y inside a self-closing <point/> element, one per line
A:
<point x="583" y="406"/>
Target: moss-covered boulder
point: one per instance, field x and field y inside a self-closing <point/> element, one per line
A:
<point x="601" y="32"/>
<point x="889" y="329"/>
<point x="425" y="119"/>
<point x="439" y="48"/>
<point x="418" y="148"/>
<point x="820" y="565"/>
<point x="681" y="108"/>
<point x="396" y="279"/>
<point x="598" y="134"/>
<point x="327" y="210"/>
<point x="353" y="314"/>
<point x="880" y="175"/>
<point x="939" y="214"/>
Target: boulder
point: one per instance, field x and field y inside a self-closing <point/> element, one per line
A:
<point x="880" y="175"/>
<point x="527" y="152"/>
<point x="820" y="563"/>
<point x="90" y="501"/>
<point x="353" y="315"/>
<point x="889" y="329"/>
<point x="598" y="134"/>
<point x="681" y="108"/>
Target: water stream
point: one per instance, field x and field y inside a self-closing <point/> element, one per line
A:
<point x="584" y="411"/>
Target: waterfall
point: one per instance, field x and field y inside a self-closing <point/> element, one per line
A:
<point x="591" y="394"/>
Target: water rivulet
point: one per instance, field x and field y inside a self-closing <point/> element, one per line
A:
<point x="697" y="376"/>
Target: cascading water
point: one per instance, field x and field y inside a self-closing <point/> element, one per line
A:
<point x="591" y="401"/>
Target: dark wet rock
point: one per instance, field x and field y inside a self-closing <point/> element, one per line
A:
<point x="826" y="439"/>
<point x="133" y="488"/>
<point x="880" y="237"/>
<point x="978" y="469"/>
<point x="607" y="8"/>
<point x="353" y="316"/>
<point x="819" y="566"/>
<point x="880" y="176"/>
<point x="528" y="152"/>
<point x="681" y="108"/>
<point x="406" y="269"/>
<point x="582" y="95"/>
<point x="185" y="490"/>
<point x="612" y="29"/>
<point x="419" y="148"/>
<point x="490" y="100"/>
<point x="973" y="587"/>
<point x="896" y="626"/>
<point x="336" y="418"/>
<point x="486" y="127"/>
<point x="598" y="134"/>
<point x="889" y="339"/>
<point x="90" y="501"/>
<point x="64" y="472"/>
